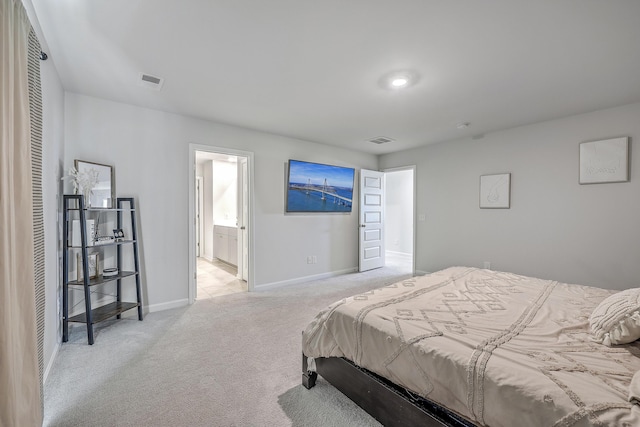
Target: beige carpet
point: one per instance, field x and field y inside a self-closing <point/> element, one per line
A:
<point x="233" y="360"/>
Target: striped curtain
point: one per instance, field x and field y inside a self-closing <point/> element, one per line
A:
<point x="20" y="385"/>
<point x="35" y="119"/>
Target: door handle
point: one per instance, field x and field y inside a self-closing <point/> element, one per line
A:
<point x="243" y="228"/>
<point x="363" y="225"/>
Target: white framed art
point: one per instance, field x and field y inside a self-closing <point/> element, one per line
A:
<point x="92" y="261"/>
<point x="495" y="191"/>
<point x="604" y="161"/>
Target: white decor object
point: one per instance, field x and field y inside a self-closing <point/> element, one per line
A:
<point x="604" y="161"/>
<point x="76" y="237"/>
<point x="616" y="320"/>
<point x="110" y="272"/>
<point x="83" y="182"/>
<point x="92" y="261"/>
<point x="102" y="183"/>
<point x="495" y="191"/>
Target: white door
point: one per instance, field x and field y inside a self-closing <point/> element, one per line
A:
<point x="371" y="220"/>
<point x="243" y="219"/>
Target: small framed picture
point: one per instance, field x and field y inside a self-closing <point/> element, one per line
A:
<point x="604" y="161"/>
<point x="495" y="191"/>
<point x="92" y="260"/>
<point x="118" y="234"/>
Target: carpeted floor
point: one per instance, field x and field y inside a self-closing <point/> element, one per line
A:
<point x="233" y="360"/>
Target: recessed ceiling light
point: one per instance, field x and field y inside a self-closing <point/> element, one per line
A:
<point x="398" y="79"/>
<point x="399" y="82"/>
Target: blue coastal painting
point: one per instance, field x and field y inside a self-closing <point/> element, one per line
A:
<point x="314" y="187"/>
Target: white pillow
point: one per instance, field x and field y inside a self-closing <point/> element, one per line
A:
<point x="616" y="320"/>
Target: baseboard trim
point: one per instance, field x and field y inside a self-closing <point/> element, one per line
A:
<point x="167" y="305"/>
<point x="207" y="257"/>
<point x="299" y="280"/>
<point x="52" y="359"/>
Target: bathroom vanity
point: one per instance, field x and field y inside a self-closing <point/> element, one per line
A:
<point x="225" y="246"/>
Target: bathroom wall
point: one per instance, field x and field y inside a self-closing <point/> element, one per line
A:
<point x="224" y="191"/>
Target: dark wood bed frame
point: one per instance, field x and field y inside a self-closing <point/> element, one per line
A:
<point x="391" y="405"/>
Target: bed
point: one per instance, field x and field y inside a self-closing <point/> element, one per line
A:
<point x="467" y="346"/>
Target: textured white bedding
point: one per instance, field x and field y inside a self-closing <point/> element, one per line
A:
<point x="497" y="348"/>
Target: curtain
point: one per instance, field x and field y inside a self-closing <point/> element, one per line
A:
<point x="35" y="124"/>
<point x="20" y="389"/>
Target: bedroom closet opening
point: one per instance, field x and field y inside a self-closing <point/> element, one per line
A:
<point x="399" y="221"/>
<point x="221" y="219"/>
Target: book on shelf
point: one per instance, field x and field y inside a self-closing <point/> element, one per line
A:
<point x="76" y="236"/>
<point x="104" y="240"/>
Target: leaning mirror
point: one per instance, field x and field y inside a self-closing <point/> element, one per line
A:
<point x="103" y="193"/>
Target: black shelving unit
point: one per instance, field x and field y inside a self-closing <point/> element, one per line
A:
<point x="74" y="205"/>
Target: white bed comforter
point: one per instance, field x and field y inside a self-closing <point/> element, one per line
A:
<point x="497" y="348"/>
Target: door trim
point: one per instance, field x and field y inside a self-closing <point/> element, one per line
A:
<point x="199" y="220"/>
<point x="243" y="217"/>
<point x="191" y="221"/>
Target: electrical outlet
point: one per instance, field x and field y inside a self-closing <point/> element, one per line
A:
<point x="422" y="217"/>
<point x="487" y="265"/>
<point x="309" y="260"/>
<point x="315" y="259"/>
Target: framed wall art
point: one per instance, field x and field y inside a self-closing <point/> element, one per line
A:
<point x="316" y="187"/>
<point x="495" y="191"/>
<point x="604" y="161"/>
<point x="92" y="260"/>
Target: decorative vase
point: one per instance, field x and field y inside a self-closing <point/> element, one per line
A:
<point x="87" y="197"/>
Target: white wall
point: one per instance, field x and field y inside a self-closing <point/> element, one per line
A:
<point x="555" y="228"/>
<point x="225" y="192"/>
<point x="398" y="211"/>
<point x="149" y="150"/>
<point x="207" y="210"/>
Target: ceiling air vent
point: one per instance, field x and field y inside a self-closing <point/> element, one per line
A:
<point x="381" y="140"/>
<point x="151" y="82"/>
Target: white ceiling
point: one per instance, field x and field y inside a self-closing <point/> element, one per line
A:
<point x="311" y="69"/>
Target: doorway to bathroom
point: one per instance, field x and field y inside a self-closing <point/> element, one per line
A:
<point x="221" y="205"/>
